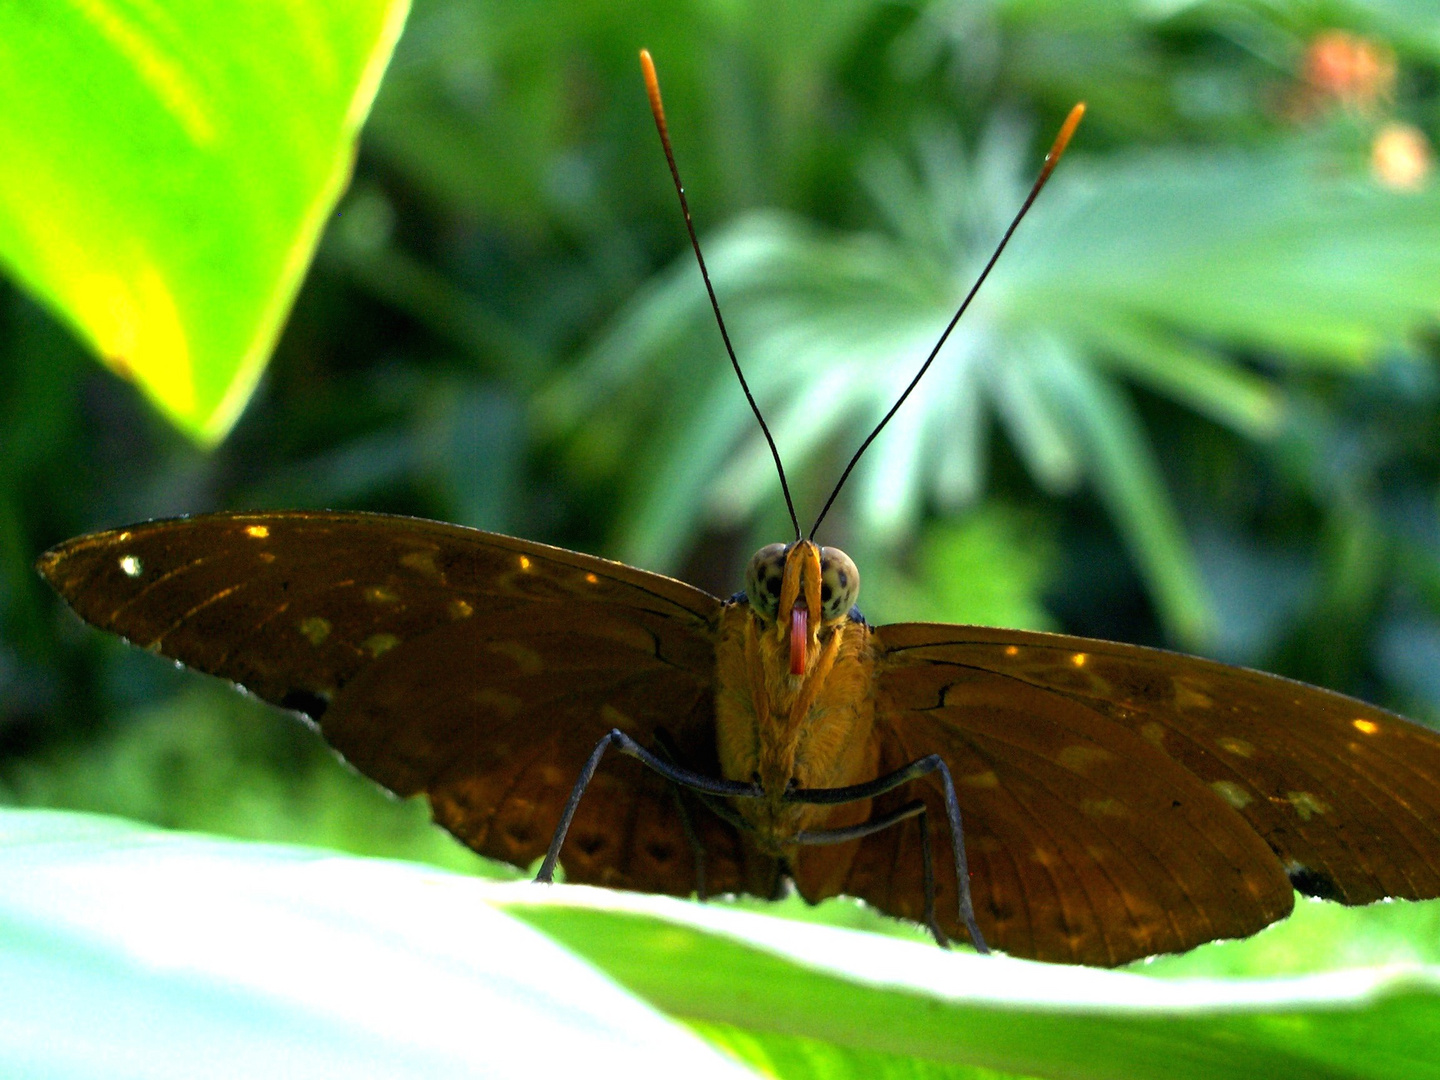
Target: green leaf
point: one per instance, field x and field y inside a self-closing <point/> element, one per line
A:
<point x="180" y="948"/>
<point x="873" y="995"/>
<point x="168" y="169"/>
<point x="128" y="951"/>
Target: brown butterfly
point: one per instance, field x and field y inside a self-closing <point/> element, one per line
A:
<point x="1061" y="798"/>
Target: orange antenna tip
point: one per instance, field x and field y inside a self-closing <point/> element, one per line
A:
<point x="1062" y="140"/>
<point x="1067" y="129"/>
<point x="652" y="86"/>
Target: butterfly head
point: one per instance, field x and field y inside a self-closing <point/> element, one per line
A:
<point x="787" y="584"/>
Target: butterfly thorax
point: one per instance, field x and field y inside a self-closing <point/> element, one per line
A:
<point x="784" y="730"/>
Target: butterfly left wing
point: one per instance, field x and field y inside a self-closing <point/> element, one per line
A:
<point x="477" y="669"/>
<point x="1121" y="801"/>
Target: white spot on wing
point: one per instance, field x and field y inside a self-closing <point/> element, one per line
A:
<point x="130" y="565"/>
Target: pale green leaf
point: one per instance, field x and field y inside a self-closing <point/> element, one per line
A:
<point x="126" y="951"/>
<point x="899" y="999"/>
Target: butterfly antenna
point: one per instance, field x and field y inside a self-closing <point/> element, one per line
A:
<point x="1061" y="141"/>
<point x="652" y="87"/>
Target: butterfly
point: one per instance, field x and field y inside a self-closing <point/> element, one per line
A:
<point x="1056" y="797"/>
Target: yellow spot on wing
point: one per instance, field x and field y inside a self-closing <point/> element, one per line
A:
<point x="1080" y="758"/>
<point x="315" y="629"/>
<point x="1235" y="746"/>
<point x="1232" y="793"/>
<point x="592" y="579"/>
<point x="423" y="561"/>
<point x="381" y="594"/>
<point x="376" y="644"/>
<point x="1188" y="697"/>
<point x="1112" y="808"/>
<point x="258" y="532"/>
<point x="1012" y="650"/>
<point x="1078" y="659"/>
<point x="1365" y="727"/>
<point x="1306" y="804"/>
<point x="496" y="701"/>
<point x="524" y="562"/>
<point x="526" y="659"/>
<point x="459" y="609"/>
<point x="614" y="718"/>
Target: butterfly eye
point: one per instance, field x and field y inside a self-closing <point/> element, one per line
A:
<point x="839" y="583"/>
<point x="763" y="578"/>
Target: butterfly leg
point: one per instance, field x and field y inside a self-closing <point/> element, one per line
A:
<point x="927" y="861"/>
<point x="693" y="781"/>
<point x="697" y="849"/>
<point x="666" y="746"/>
<point x="932" y="763"/>
<point x="914" y="809"/>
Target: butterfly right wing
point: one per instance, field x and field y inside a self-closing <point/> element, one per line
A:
<point x="1086" y="843"/>
<point x="1122" y="801"/>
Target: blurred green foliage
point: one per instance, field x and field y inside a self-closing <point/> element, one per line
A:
<point x="1197" y="404"/>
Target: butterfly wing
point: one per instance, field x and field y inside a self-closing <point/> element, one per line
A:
<point x="1121" y="801"/>
<point x="477" y="669"/>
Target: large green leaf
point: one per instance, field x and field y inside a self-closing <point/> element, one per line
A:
<point x="243" y="954"/>
<point x="130" y="952"/>
<point x="770" y="990"/>
<point x="168" y="169"/>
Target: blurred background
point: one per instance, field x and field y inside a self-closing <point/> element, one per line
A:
<point x="1196" y="406"/>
